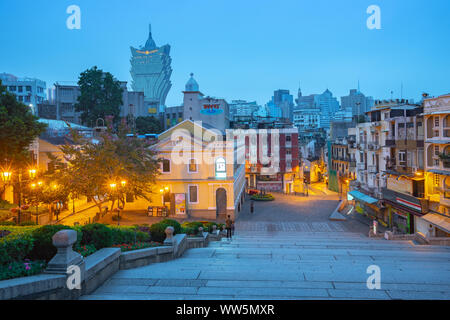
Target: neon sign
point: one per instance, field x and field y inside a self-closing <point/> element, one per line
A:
<point x="211" y="109"/>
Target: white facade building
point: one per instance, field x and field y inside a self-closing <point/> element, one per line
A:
<point x="29" y="91"/>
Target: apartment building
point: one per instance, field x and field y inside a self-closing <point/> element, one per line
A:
<point x="436" y="113"/>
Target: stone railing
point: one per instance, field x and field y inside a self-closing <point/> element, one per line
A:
<point x="69" y="275"/>
<point x="419" y="237"/>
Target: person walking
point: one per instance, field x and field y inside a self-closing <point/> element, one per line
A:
<point x="252" y="206"/>
<point x="228" y="225"/>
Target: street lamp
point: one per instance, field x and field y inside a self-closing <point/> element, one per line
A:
<point x="6" y="176"/>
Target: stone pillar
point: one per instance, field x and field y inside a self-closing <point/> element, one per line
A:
<point x="63" y="240"/>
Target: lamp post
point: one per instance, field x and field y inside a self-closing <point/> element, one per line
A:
<point x="113" y="187"/>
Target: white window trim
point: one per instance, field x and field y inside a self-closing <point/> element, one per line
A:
<point x="162" y="167"/>
<point x="189" y="165"/>
<point x="189" y="193"/>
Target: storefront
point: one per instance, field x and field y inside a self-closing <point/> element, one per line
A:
<point x="368" y="206"/>
<point x="403" y="210"/>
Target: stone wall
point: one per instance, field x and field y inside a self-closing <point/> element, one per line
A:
<point x="96" y="268"/>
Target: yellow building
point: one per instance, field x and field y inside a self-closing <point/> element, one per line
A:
<point x="199" y="178"/>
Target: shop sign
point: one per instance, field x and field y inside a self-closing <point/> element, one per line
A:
<point x="409" y="204"/>
<point x="211" y="109"/>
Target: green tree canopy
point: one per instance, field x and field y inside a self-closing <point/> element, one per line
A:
<point x="101" y="96"/>
<point x="93" y="166"/>
<point x="18" y="128"/>
<point x="148" y="125"/>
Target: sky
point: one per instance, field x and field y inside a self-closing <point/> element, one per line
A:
<point x="239" y="49"/>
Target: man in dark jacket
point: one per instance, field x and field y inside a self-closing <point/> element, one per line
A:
<point x="228" y="225"/>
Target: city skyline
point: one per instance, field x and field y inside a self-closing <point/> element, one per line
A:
<point x="237" y="59"/>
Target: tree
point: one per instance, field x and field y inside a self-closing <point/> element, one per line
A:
<point x="94" y="166"/>
<point x="148" y="125"/>
<point x="18" y="128"/>
<point x="100" y="96"/>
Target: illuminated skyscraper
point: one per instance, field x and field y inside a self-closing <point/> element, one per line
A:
<point x="150" y="71"/>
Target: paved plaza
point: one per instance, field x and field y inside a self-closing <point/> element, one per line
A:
<point x="288" y="249"/>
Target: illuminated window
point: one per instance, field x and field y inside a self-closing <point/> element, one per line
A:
<point x="193" y="194"/>
<point x="436" y="180"/>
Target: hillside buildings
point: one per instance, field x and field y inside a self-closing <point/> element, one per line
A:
<point x="400" y="155"/>
<point x="151" y="70"/>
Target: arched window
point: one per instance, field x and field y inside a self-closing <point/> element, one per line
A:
<point x="221" y="169"/>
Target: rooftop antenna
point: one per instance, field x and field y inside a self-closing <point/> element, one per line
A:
<point x="401" y="90"/>
<point x="392" y="93"/>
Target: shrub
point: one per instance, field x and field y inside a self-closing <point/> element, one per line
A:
<point x="99" y="235"/>
<point x="27" y="223"/>
<point x="191" y="228"/>
<point x="86" y="250"/>
<point x="139" y="245"/>
<point x="157" y="232"/>
<point x="4" y="233"/>
<point x="173" y="223"/>
<point x="128" y="235"/>
<point x="263" y="197"/>
<point x="7" y="223"/>
<point x="43" y="248"/>
<point x="21" y="269"/>
<point x="15" y="247"/>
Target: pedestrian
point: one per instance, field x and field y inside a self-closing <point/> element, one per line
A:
<point x="252" y="207"/>
<point x="232" y="228"/>
<point x="228" y="225"/>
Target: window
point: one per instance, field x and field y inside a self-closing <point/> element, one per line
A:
<point x="28" y="88"/>
<point x="436" y="180"/>
<point x="288" y="151"/>
<point x="20" y="88"/>
<point x="192" y="165"/>
<point x="27" y="98"/>
<point x="436" y="121"/>
<point x="436" y="150"/>
<point x="20" y="98"/>
<point x="402" y="157"/>
<point x="12" y="88"/>
<point x="288" y="138"/>
<point x="166" y="165"/>
<point x="193" y="194"/>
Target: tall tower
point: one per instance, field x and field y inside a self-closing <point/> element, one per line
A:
<point x="151" y="71"/>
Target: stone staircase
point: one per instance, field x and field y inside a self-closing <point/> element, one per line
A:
<point x="289" y="265"/>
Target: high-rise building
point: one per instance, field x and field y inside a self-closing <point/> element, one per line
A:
<point x="356" y="102"/>
<point x="151" y="71"/>
<point x="29" y="91"/>
<point x="327" y="104"/>
<point x="281" y="105"/>
<point x="242" y="108"/>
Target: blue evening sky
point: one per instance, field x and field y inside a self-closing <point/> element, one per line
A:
<point x="239" y="49"/>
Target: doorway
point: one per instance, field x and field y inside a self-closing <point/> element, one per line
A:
<point x="221" y="202"/>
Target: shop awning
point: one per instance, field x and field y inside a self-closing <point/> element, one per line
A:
<point x="363" y="197"/>
<point x="441" y="172"/>
<point x="438" y="220"/>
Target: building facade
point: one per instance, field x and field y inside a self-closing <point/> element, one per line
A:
<point x="207" y="183"/>
<point x="198" y="107"/>
<point x="29" y="91"/>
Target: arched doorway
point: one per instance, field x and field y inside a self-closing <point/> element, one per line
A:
<point x="221" y="201"/>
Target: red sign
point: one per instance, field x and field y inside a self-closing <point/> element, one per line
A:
<point x="211" y="106"/>
<point x="409" y="204"/>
